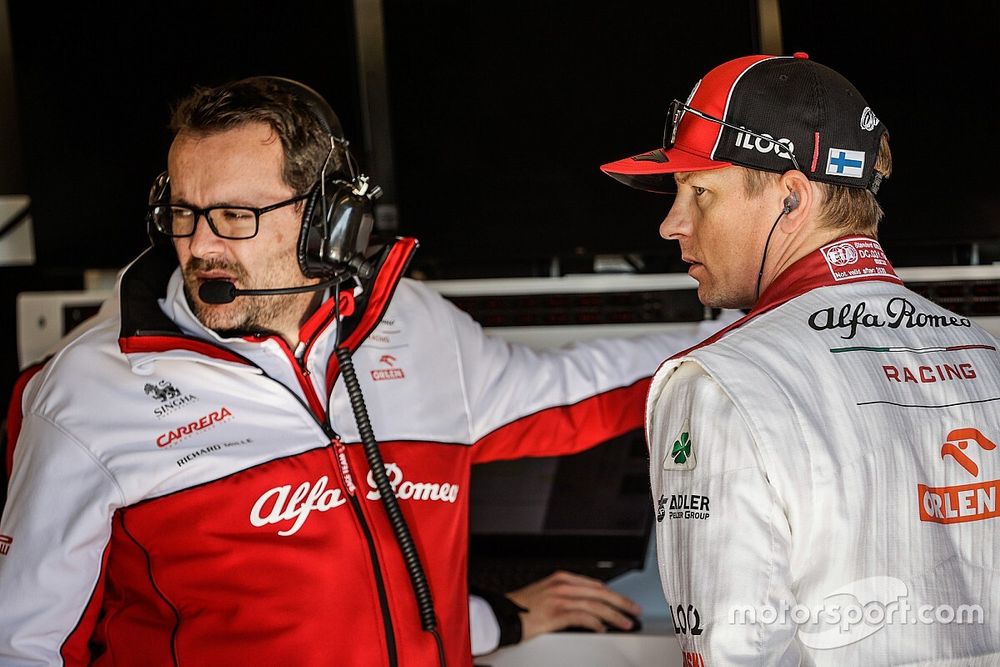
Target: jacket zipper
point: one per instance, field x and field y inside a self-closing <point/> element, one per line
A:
<point x="383" y="598"/>
<point x="347" y="480"/>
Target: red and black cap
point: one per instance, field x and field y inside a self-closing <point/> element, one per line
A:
<point x="771" y="113"/>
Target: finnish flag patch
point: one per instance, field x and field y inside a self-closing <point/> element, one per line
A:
<point x="843" y="162"/>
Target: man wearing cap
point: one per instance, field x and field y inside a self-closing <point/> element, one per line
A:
<point x="825" y="471"/>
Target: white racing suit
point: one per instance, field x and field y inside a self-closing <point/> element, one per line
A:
<point x="826" y="473"/>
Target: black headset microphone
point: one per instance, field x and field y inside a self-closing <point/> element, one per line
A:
<point x="790" y="203"/>
<point x="337" y="221"/>
<point x="218" y="292"/>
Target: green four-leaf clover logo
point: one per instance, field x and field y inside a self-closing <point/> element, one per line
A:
<point x="682" y="449"/>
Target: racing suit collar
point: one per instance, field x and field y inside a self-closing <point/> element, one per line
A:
<point x="846" y="259"/>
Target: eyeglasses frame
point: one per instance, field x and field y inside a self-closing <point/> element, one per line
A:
<point x="206" y="212"/>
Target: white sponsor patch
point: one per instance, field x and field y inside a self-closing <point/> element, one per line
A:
<point x="843" y="162"/>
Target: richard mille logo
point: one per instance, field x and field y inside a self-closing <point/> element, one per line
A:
<point x="169" y="396"/>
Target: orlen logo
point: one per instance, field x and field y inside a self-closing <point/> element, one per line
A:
<point x="211" y="419"/>
<point x="407" y="490"/>
<point x="391" y="373"/>
<point x="966" y="502"/>
<point x="282" y="504"/>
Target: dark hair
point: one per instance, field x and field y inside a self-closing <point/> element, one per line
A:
<point x="304" y="138"/>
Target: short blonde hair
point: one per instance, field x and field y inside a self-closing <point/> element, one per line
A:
<point x="851" y="210"/>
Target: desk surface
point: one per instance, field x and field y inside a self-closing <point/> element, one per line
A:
<point x="655" y="644"/>
<point x="652" y="646"/>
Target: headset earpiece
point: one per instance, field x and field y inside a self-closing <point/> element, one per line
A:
<point x="336" y="226"/>
<point x="159" y="192"/>
<point x="337" y="219"/>
<point x="791" y="203"/>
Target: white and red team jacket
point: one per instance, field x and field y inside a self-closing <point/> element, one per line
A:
<point x="826" y="473"/>
<point x="181" y="499"/>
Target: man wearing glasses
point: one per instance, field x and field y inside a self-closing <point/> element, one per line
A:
<point x="826" y="468"/>
<point x="195" y="479"/>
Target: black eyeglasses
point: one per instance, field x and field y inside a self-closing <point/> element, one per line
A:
<point x="677" y="111"/>
<point x="227" y="222"/>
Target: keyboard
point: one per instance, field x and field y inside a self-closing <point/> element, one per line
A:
<point x="505" y="575"/>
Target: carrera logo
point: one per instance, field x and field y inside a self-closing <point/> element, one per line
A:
<point x="211" y="419"/>
<point x="5" y="542"/>
<point x="967" y="502"/>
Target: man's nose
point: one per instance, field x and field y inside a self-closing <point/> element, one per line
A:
<point x="676" y="224"/>
<point x="204" y="242"/>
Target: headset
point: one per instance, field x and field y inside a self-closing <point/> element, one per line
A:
<point x="337" y="218"/>
<point x="790" y="203"/>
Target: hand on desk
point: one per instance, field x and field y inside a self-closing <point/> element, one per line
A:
<point x="564" y="599"/>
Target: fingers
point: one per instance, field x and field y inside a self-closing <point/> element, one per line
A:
<point x="564" y="599"/>
<point x="575" y="586"/>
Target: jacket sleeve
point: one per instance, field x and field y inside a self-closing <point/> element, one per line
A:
<point x="56" y="527"/>
<point x="723" y="539"/>
<point x="546" y="402"/>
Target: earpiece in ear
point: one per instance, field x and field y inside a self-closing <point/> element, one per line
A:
<point x="791" y="203"/>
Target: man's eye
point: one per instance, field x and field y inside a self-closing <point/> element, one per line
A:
<point x="698" y="191"/>
<point x="236" y="214"/>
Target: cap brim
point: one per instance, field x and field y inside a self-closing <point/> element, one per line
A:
<point x="653" y="171"/>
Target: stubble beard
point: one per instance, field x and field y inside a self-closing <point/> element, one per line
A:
<point x="724" y="297"/>
<point x="246" y="314"/>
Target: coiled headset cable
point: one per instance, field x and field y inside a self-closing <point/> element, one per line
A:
<point x="411" y="558"/>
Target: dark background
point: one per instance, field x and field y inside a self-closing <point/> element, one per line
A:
<point x="501" y="113"/>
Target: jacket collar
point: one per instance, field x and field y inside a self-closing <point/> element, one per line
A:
<point x="147" y="330"/>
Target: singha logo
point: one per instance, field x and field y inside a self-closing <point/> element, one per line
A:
<point x="163" y="391"/>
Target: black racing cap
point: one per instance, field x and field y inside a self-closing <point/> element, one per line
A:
<point x="771" y="113"/>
